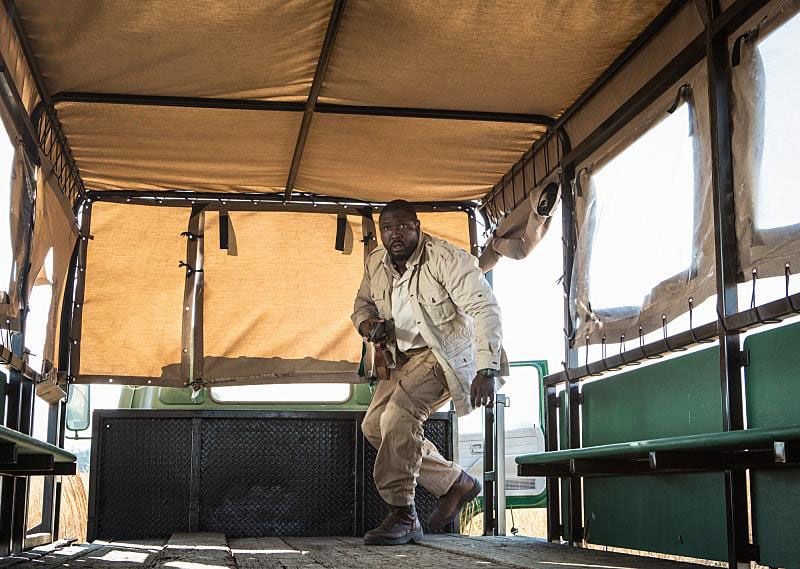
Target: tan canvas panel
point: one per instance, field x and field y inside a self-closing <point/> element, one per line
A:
<point x="233" y="49"/>
<point x="158" y="148"/>
<point x="279" y="310"/>
<point x="661" y="49"/>
<point x="450" y="226"/>
<point x="383" y="158"/>
<point x="11" y="50"/>
<point x="134" y="291"/>
<point x="518" y="56"/>
<point x="54" y="229"/>
<point x="18" y="228"/>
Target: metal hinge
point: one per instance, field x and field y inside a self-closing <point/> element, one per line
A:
<point x="752" y="552"/>
<point x="743" y="358"/>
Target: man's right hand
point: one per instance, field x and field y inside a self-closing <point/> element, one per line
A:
<point x="373" y="329"/>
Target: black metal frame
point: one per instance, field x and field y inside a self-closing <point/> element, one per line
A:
<point x="192" y="324"/>
<point x="489" y="473"/>
<point x="735" y="323"/>
<point x="725" y="248"/>
<point x="72" y="333"/>
<point x="316" y="86"/>
<point x="221" y="201"/>
<point x="199" y="202"/>
<point x="294" y="107"/>
<point x="524" y="176"/>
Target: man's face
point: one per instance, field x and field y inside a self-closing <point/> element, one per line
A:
<point x="399" y="234"/>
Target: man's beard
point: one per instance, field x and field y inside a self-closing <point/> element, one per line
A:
<point x="405" y="254"/>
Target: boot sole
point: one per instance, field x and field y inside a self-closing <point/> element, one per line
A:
<point x="466" y="499"/>
<point x="414" y="536"/>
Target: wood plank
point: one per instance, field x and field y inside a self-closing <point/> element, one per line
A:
<point x="97" y="555"/>
<point x="269" y="553"/>
<point x="194" y="551"/>
<point x="525" y="552"/>
<point x="351" y="553"/>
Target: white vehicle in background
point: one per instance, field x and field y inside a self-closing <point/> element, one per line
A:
<point x="523" y="433"/>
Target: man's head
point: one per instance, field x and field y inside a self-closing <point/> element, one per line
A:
<point x="399" y="228"/>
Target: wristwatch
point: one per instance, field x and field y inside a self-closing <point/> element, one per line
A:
<point x="488" y="372"/>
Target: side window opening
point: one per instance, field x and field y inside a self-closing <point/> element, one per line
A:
<point x="644" y="221"/>
<point x="766" y="80"/>
<point x="283" y="393"/>
<point x="38" y="313"/>
<point x="531" y="298"/>
<point x="776" y="199"/>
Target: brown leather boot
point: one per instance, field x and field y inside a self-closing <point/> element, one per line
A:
<point x="464" y="489"/>
<point x="399" y="527"/>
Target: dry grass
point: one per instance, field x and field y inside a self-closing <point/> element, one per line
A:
<point x="531" y="522"/>
<point x="74" y="507"/>
<point x="35" y="495"/>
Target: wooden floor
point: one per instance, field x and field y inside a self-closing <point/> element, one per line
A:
<point x="214" y="551"/>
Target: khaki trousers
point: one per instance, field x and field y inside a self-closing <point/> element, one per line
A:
<point x="393" y="425"/>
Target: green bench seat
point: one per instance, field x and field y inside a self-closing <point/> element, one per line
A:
<point x="705" y="452"/>
<point x="22" y="455"/>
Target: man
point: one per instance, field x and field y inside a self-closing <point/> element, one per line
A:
<point x="428" y="301"/>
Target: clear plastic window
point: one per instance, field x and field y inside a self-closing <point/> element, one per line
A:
<point x="283" y="393"/>
<point x="39" y="312"/>
<point x="777" y="201"/>
<point x="645" y="214"/>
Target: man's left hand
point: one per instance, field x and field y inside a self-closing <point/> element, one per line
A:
<point x="482" y="391"/>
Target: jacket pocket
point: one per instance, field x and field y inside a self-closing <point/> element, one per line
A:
<point x="379" y="298"/>
<point x="437" y="305"/>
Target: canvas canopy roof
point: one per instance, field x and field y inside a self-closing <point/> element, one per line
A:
<point x="339" y="101"/>
<point x="531" y="59"/>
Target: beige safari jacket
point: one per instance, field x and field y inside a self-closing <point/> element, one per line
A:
<point x="457" y="313"/>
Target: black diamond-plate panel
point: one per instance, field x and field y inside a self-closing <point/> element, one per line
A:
<point x="439" y="432"/>
<point x="142" y="486"/>
<point x="278" y="477"/>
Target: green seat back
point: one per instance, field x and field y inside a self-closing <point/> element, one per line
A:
<point x="772" y="384"/>
<point x="679" y="514"/>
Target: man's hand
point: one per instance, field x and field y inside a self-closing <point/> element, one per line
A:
<point x="373" y="329"/>
<point x="481" y="391"/>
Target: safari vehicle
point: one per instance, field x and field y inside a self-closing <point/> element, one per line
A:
<point x="190" y="190"/>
